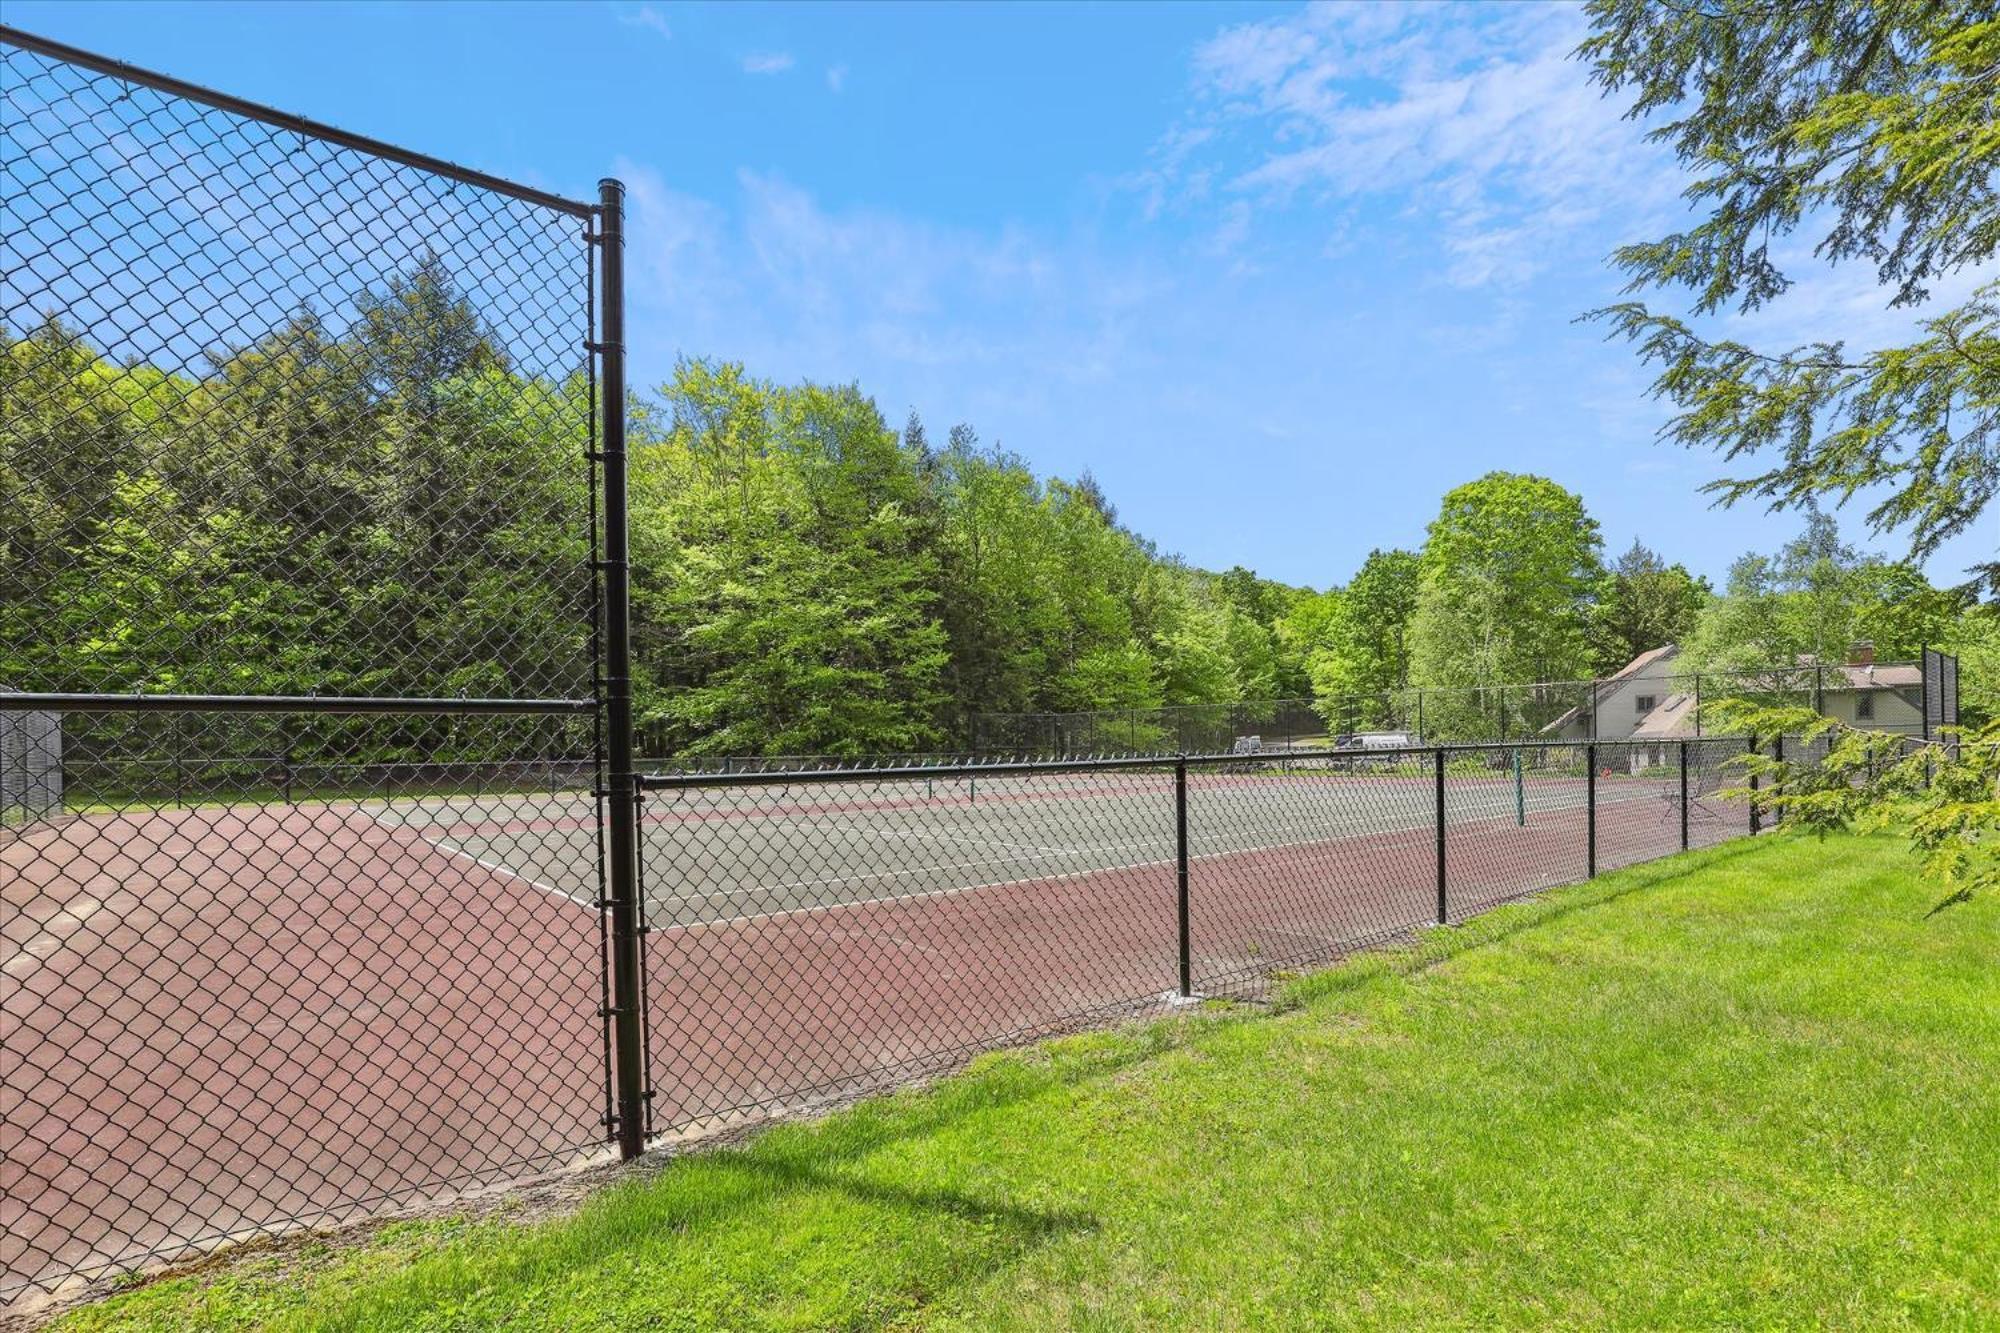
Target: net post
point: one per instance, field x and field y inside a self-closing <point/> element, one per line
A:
<point x="1684" y="794"/>
<point x="1590" y="807"/>
<point x="1181" y="874"/>
<point x="622" y="849"/>
<point x="1437" y="764"/>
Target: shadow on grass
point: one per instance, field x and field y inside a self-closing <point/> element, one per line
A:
<point x="693" y="1200"/>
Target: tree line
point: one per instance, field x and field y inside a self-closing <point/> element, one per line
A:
<point x="396" y="508"/>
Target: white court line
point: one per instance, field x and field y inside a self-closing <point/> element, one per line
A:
<point x="445" y="844"/>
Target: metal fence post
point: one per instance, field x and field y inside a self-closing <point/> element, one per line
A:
<point x="1684" y="795"/>
<point x="1778" y="754"/>
<point x="1590" y="806"/>
<point x="1755" y="825"/>
<point x="1444" y="916"/>
<point x="622" y="850"/>
<point x="1181" y="885"/>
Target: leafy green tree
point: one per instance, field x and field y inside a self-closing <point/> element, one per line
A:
<point x="785" y="606"/>
<point x="1642" y="604"/>
<point x="1815" y="599"/>
<point x="1744" y="627"/>
<point x="1975" y="639"/>
<point x="1504" y="589"/>
<point x="1364" y="646"/>
<point x="1871" y="130"/>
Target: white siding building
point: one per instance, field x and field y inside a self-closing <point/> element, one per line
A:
<point x="1648" y="701"/>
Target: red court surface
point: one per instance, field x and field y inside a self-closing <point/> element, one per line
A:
<point x="222" y="1020"/>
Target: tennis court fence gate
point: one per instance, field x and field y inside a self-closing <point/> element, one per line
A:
<point x="321" y="883"/>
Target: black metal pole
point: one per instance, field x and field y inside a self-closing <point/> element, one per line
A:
<point x="1778" y="754"/>
<point x="1590" y="807"/>
<point x="1181" y="886"/>
<point x="1444" y="915"/>
<point x="1754" y="822"/>
<point x="1684" y="795"/>
<point x="622" y="851"/>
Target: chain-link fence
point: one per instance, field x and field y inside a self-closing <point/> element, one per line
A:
<point x="306" y="538"/>
<point x="814" y="933"/>
<point x="30" y="765"/>
<point x="1653" y="700"/>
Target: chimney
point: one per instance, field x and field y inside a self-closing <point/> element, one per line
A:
<point x="1862" y="654"/>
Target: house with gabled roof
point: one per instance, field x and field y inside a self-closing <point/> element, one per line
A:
<point x="1647" y="700"/>
<point x="1621" y="702"/>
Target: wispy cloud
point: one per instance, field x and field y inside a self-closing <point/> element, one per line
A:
<point x="647" y="17"/>
<point x="1477" y="121"/>
<point x="836" y="78"/>
<point x="776" y="279"/>
<point x="768" y="62"/>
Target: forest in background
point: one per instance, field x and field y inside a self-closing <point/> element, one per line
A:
<point x="395" y="508"/>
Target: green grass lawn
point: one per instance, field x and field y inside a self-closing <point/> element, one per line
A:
<point x="1751" y="1086"/>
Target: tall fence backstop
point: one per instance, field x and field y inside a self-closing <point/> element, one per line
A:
<point x="311" y="561"/>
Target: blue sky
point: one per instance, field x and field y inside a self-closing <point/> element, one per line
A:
<point x="1277" y="276"/>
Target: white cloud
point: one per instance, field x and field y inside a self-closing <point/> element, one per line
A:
<point x="647" y="17"/>
<point x="768" y="62"/>
<point x="836" y="78"/>
<point x="774" y="279"/>
<point x="1476" y="122"/>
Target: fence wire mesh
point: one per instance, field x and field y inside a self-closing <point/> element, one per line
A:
<point x="815" y="937"/>
<point x="244" y="991"/>
<point x="287" y="421"/>
<point x="821" y="932"/>
<point x="281" y="416"/>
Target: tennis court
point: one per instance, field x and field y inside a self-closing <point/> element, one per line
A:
<point x="227" y="1017"/>
<point x="716" y="853"/>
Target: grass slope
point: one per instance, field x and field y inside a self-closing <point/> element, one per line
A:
<point x="1751" y="1086"/>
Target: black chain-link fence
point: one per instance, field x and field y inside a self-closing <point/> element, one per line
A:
<point x="283" y="416"/>
<point x="301" y="887"/>
<point x="819" y="932"/>
<point x="1653" y="700"/>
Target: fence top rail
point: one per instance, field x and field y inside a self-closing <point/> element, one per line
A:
<point x="827" y="776"/>
<point x="25" y="702"/>
<point x="238" y="106"/>
<point x="1020" y="768"/>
